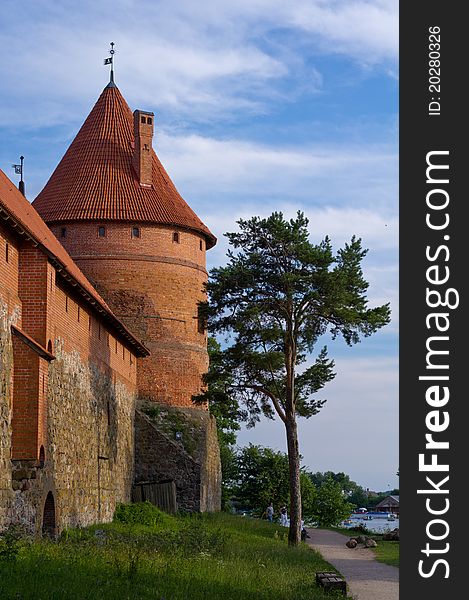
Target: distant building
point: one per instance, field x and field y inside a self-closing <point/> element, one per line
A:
<point x="388" y="504"/>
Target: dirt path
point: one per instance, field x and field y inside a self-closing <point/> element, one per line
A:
<point x="367" y="579"/>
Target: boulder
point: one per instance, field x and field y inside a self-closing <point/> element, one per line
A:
<point x="361" y="539"/>
<point x="352" y="543"/>
<point x="370" y="543"/>
<point x="392" y="536"/>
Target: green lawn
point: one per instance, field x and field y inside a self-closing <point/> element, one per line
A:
<point x="387" y="552"/>
<point x="197" y="557"/>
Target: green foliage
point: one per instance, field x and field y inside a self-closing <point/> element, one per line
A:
<point x="11" y="541"/>
<point x="278" y="294"/>
<point x="308" y="497"/>
<point x="356" y="495"/>
<point x="331" y="505"/>
<point x="139" y="513"/>
<point x="222" y="405"/>
<point x="229" y="471"/>
<point x="152" y="410"/>
<point x="263" y="476"/>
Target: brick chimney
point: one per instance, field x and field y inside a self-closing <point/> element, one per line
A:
<point x="143" y="134"/>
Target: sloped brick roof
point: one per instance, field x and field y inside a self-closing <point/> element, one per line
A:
<point x="95" y="179"/>
<point x="16" y="210"/>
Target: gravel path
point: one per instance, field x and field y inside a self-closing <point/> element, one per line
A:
<point x="366" y="578"/>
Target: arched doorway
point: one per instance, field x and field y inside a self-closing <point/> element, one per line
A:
<point x="48" y="520"/>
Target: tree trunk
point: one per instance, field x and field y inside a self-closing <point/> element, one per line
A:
<point x="294" y="534"/>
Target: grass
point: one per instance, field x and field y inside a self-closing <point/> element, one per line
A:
<point x="386" y="552"/>
<point x="198" y="557"/>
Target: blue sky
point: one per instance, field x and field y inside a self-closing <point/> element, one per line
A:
<point x="260" y="105"/>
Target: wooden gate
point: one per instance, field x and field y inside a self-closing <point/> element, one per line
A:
<point x="162" y="494"/>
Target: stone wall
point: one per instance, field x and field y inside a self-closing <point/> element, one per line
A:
<point x="193" y="462"/>
<point x="89" y="456"/>
<point x="159" y="458"/>
<point x="6" y="366"/>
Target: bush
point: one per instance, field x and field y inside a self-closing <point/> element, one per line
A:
<point x="139" y="513"/>
<point x="11" y="541"/>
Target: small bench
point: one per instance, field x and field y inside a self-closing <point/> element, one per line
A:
<point x="331" y="581"/>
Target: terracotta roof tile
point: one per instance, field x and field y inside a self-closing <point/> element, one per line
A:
<point x="95" y="179"/>
<point x="28" y="222"/>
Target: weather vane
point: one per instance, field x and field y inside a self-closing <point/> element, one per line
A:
<point x="110" y="61"/>
<point x="19" y="171"/>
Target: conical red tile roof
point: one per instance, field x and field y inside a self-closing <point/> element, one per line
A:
<point x="95" y="180"/>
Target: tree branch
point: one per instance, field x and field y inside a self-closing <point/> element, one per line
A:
<point x="268" y="393"/>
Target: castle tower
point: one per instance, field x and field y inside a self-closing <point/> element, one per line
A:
<point x="114" y="208"/>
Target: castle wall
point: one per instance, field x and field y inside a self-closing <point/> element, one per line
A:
<point x="6" y="376"/>
<point x="10" y="312"/>
<point x="154" y="284"/>
<point x="67" y="398"/>
<point x="192" y="463"/>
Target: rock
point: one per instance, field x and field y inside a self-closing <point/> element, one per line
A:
<point x="392" y="536"/>
<point x="361" y="539"/>
<point x="352" y="543"/>
<point x="370" y="543"/>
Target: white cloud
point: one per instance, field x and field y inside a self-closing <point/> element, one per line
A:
<point x="363" y="175"/>
<point x="343" y="190"/>
<point x="364" y="30"/>
<point x="204" y="61"/>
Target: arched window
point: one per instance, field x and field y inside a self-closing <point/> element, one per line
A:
<point x="176" y="237"/>
<point x="42" y="457"/>
<point x="49" y="346"/>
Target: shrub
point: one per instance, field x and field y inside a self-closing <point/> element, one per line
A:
<point x="139" y="513"/>
<point x="11" y="541"/>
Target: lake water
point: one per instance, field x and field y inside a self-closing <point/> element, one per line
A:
<point x="375" y="524"/>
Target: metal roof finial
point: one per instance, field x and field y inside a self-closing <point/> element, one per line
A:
<point x="110" y="61"/>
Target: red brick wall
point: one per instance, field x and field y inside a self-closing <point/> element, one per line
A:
<point x="28" y="401"/>
<point x="9" y="270"/>
<point x="80" y="329"/>
<point x="154" y="284"/>
<point x="48" y="311"/>
<point x="33" y="271"/>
